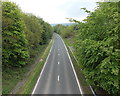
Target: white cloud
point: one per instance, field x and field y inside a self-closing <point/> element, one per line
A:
<point x="52" y="11"/>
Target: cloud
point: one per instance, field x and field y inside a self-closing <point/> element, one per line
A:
<point x="73" y="8"/>
<point x="55" y="11"/>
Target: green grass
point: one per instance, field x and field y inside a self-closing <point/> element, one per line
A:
<point x="32" y="78"/>
<point x="11" y="76"/>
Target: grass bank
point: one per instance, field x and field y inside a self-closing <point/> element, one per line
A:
<point x="12" y="76"/>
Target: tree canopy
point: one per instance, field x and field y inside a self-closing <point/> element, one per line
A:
<point x="97" y="47"/>
<point x="22" y="33"/>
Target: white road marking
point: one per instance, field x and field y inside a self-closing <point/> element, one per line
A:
<point x="58" y="78"/>
<point x="81" y="70"/>
<point x="73" y="55"/>
<point x="58" y="62"/>
<point x="42" y="69"/>
<point x="58" y="54"/>
<point x="79" y="86"/>
<point x="92" y="91"/>
<point x="58" y="49"/>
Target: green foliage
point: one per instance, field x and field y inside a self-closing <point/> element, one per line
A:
<point x="33" y="30"/>
<point x="37" y="32"/>
<point x="68" y="32"/>
<point x="14" y="42"/>
<point x="97" y="47"/>
<point x="65" y="31"/>
<point x="59" y="28"/>
<point x="47" y="33"/>
<point x="23" y="35"/>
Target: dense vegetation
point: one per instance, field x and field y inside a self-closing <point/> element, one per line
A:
<point x="22" y="33"/>
<point x="66" y="31"/>
<point x="97" y="45"/>
<point x="24" y="37"/>
<point x="37" y="33"/>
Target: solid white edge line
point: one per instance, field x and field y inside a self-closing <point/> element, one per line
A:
<point x="73" y="54"/>
<point x="42" y="69"/>
<point x="81" y="70"/>
<point x="80" y="89"/>
<point x="92" y="90"/>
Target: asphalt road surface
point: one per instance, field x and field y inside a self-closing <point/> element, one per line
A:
<point x="58" y="75"/>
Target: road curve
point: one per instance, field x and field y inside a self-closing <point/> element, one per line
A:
<point x="57" y="76"/>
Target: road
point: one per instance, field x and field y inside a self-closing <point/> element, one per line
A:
<point x="58" y="75"/>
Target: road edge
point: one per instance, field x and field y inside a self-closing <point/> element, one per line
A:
<point x="79" y="86"/>
<point x="81" y="70"/>
<point x="42" y="69"/>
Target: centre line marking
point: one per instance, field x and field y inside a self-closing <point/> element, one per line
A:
<point x="81" y="92"/>
<point x="58" y="78"/>
<point x="58" y="62"/>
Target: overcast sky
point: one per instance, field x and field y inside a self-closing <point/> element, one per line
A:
<point x="56" y="11"/>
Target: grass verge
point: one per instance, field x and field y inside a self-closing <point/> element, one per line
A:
<point x="28" y="86"/>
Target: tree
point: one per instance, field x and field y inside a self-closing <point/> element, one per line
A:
<point x="14" y="41"/>
<point x="37" y="31"/>
<point x="97" y="47"/>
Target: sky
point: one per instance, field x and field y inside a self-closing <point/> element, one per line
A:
<point x="56" y="11"/>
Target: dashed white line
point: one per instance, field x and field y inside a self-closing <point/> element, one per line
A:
<point x="58" y="78"/>
<point x="58" y="62"/>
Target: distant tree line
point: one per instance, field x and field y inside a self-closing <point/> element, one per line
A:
<point x="97" y="45"/>
<point x="66" y="31"/>
<point x="22" y="34"/>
